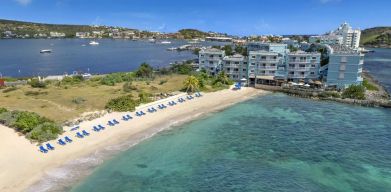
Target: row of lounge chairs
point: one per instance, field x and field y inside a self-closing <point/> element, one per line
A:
<point x="113" y="122"/>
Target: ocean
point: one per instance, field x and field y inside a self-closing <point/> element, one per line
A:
<point x="269" y="143"/>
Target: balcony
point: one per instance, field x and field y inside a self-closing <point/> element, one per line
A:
<point x="296" y="76"/>
<point x="267" y="68"/>
<point x="298" y="61"/>
<point x="300" y="68"/>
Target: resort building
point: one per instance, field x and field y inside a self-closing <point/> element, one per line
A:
<point x="264" y="66"/>
<point x="303" y="66"/>
<point x="345" y="35"/>
<point x="211" y="60"/>
<point x="235" y="67"/>
<point x="345" y="67"/>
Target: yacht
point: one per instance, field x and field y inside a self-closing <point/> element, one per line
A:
<point x="94" y="43"/>
<point x="165" y="42"/>
<point x="46" y="51"/>
<point x="151" y="40"/>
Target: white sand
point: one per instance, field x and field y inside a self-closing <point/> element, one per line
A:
<point x="21" y="164"/>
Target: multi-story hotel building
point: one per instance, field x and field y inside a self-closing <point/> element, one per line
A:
<point x="211" y="60"/>
<point x="235" y="67"/>
<point x="303" y="66"/>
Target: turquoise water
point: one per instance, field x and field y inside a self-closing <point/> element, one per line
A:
<point x="271" y="143"/>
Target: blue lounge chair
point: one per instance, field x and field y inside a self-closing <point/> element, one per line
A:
<point x="42" y="149"/>
<point x="79" y="135"/>
<point x="153" y="108"/>
<point x="110" y="123"/>
<point x="160" y="107"/>
<point x="85" y="133"/>
<point x="150" y="110"/>
<point x="96" y="129"/>
<point x="138" y="114"/>
<point x="75" y="128"/>
<point x="50" y="147"/>
<point x="61" y="142"/>
<point x="101" y="127"/>
<point x="115" y="121"/>
<point x="142" y="113"/>
<point x="67" y="139"/>
<point x="129" y="117"/>
<point x="125" y="118"/>
<point x="198" y="94"/>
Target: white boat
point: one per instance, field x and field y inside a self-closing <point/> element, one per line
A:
<point x="165" y="42"/>
<point x="151" y="40"/>
<point x="94" y="43"/>
<point x="172" y="49"/>
<point x="46" y="51"/>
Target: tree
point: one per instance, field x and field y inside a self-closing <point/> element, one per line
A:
<point x="191" y="84"/>
<point x="241" y="50"/>
<point x="122" y="104"/>
<point x="144" y="71"/>
<point x="196" y="51"/>
<point x="223" y="78"/>
<point x="228" y="50"/>
<point x="354" y="92"/>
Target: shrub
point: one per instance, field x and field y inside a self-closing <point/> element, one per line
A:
<point x="369" y="86"/>
<point x="144" y="71"/>
<point x="354" y="92"/>
<point x="35" y="93"/>
<point x="144" y="97"/>
<point x="112" y="79"/>
<point x="185" y="69"/>
<point x="122" y="104"/>
<point x="163" y="82"/>
<point x="78" y="100"/>
<point x="45" y="132"/>
<point x="35" y="83"/>
<point x="10" y="89"/>
<point x="73" y="79"/>
<point x="2" y="110"/>
<point x="128" y="87"/>
<point x="26" y="121"/>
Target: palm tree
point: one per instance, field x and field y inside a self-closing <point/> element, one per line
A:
<point x="191" y="84"/>
<point x="223" y="78"/>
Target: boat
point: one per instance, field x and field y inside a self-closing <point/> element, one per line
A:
<point x="151" y="40"/>
<point x="46" y="51"/>
<point x="94" y="43"/>
<point x="172" y="49"/>
<point x="165" y="42"/>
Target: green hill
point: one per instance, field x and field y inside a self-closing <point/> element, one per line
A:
<point x="192" y="33"/>
<point x="376" y="37"/>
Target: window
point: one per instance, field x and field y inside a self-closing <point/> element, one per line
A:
<point x="344" y="59"/>
<point x="302" y="73"/>
<point x="274" y="57"/>
<point x="202" y="61"/>
<point x="263" y="57"/>
<point x="341" y="75"/>
<point x="211" y="62"/>
<point x="244" y="70"/>
<point x="312" y="73"/>
<point x="202" y="55"/>
<point x="228" y="69"/>
<point x="272" y="72"/>
<point x="227" y="62"/>
<point x="302" y="66"/>
<point x="237" y="63"/>
<point x="245" y="63"/>
<point x="292" y="65"/>
<point x="253" y="56"/>
<point x="313" y="57"/>
<point x="236" y="69"/>
<point x="253" y="64"/>
<point x="252" y="71"/>
<point x="313" y="66"/>
<point x="273" y="65"/>
<point x="291" y="72"/>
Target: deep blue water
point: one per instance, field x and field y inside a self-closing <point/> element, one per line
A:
<point x="19" y="57"/>
<point x="271" y="143"/>
<point x="379" y="66"/>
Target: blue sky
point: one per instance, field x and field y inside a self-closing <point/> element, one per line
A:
<point x="238" y="17"/>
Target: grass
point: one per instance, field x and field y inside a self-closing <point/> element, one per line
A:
<point x="64" y="102"/>
<point x="369" y="86"/>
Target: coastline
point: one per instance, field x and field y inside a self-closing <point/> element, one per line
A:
<point x="23" y="165"/>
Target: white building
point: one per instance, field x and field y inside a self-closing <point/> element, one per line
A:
<point x="344" y="35"/>
<point x="211" y="60"/>
<point x="235" y="67"/>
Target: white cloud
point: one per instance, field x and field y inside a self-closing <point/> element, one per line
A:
<point x="24" y="2"/>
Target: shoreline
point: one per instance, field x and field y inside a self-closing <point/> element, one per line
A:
<point x="23" y="160"/>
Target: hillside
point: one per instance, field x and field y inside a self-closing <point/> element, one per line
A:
<point x="376" y="37"/>
<point x="20" y="28"/>
<point x="192" y="33"/>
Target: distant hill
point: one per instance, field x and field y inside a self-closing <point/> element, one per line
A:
<point x="23" y="28"/>
<point x="376" y="37"/>
<point x="192" y="33"/>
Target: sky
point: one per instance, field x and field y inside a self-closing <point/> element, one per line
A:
<point x="236" y="17"/>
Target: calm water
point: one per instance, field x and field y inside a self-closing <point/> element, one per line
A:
<point x="379" y="65"/>
<point x="22" y="57"/>
<point x="272" y="143"/>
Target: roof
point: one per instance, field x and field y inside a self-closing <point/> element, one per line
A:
<point x="342" y="50"/>
<point x="236" y="57"/>
<point x="211" y="50"/>
<point x="262" y="52"/>
<point x="304" y="53"/>
<point x="264" y="77"/>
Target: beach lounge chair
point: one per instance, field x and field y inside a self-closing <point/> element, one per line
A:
<point x="50" y="147"/>
<point x="142" y="113"/>
<point x="150" y="110"/>
<point x="129" y="117"/>
<point x="110" y="123"/>
<point x="61" y="142"/>
<point x="96" y="129"/>
<point x="198" y="94"/>
<point x="153" y="108"/>
<point x="115" y="121"/>
<point x="85" y="133"/>
<point x="75" y="128"/>
<point x="79" y="135"/>
<point x="101" y="127"/>
<point x="138" y="114"/>
<point x="67" y="139"/>
<point x="42" y="149"/>
<point x="125" y="118"/>
<point x="160" y="107"/>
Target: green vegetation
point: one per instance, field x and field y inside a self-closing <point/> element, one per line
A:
<point x="191" y="84"/>
<point x="36" y="83"/>
<point x="122" y="104"/>
<point x="354" y="92"/>
<point x="35" y="127"/>
<point x="192" y="33"/>
<point x="376" y="37"/>
<point x="144" y="71"/>
<point x="369" y="86"/>
<point x="241" y="50"/>
<point x="184" y="69"/>
<point x="292" y="48"/>
<point x="114" y="78"/>
<point x="228" y="50"/>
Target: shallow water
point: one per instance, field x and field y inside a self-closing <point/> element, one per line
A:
<point x="270" y="143"/>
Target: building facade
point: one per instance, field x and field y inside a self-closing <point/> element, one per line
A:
<point x="303" y="66"/>
<point x="235" y="67"/>
<point x="344" y="35"/>
<point x="345" y="67"/>
<point x="211" y="60"/>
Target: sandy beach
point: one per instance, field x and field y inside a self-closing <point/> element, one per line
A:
<point x="22" y="165"/>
